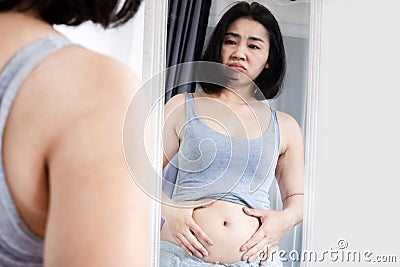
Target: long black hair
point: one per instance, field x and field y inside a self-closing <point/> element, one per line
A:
<point x="108" y="13"/>
<point x="270" y="80"/>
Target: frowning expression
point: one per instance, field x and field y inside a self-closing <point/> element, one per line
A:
<point x="245" y="47"/>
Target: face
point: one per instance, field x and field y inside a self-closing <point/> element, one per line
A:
<point x="245" y="47"/>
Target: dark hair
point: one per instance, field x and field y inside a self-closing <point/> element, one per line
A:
<point x="108" y="13"/>
<point x="270" y="80"/>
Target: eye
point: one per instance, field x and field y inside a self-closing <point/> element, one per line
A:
<point x="252" y="46"/>
<point x="229" y="42"/>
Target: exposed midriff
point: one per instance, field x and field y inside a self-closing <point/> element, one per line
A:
<point x="229" y="228"/>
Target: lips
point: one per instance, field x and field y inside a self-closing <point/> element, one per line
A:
<point x="237" y="66"/>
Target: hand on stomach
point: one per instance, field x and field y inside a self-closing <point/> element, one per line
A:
<point x="229" y="228"/>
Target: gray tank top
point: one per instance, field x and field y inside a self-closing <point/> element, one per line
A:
<point x="18" y="245"/>
<point x="217" y="166"/>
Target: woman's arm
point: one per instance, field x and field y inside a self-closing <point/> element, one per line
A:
<point x="290" y="177"/>
<point x="179" y="224"/>
<point x="174" y="119"/>
<point x="290" y="169"/>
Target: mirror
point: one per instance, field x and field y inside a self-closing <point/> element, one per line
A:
<point x="298" y="21"/>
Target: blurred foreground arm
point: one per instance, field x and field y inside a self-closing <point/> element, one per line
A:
<point x="98" y="216"/>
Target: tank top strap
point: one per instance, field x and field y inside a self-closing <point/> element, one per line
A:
<point x="275" y="122"/>
<point x="20" y="66"/>
<point x="274" y="115"/>
<point x="190" y="107"/>
<point x="277" y="131"/>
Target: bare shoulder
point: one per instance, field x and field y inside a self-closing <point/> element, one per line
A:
<point x="287" y="121"/>
<point x="95" y="73"/>
<point x="174" y="110"/>
<point x="80" y="83"/>
<point x="175" y="102"/>
<point x="89" y="90"/>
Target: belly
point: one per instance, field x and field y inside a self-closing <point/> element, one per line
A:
<point x="228" y="226"/>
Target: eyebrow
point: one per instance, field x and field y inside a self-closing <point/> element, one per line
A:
<point x="233" y="34"/>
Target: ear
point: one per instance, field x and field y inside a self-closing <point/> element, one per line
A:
<point x="267" y="65"/>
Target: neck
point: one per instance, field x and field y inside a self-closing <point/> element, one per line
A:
<point x="27" y="23"/>
<point x="30" y="18"/>
<point x="238" y="95"/>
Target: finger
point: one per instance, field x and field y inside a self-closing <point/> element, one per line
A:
<point x="271" y="251"/>
<point x="200" y="234"/>
<point x="254" y="252"/>
<point x="262" y="256"/>
<point x="202" y="251"/>
<point x="188" y="244"/>
<point x="253" y="212"/>
<point x="269" y="254"/>
<point x="258" y="255"/>
<point x="254" y="256"/>
<point x="255" y="239"/>
<point x="180" y="243"/>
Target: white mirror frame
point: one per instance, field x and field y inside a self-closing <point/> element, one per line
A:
<point x="311" y="124"/>
<point x="154" y="49"/>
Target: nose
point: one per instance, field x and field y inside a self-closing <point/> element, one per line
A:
<point x="240" y="52"/>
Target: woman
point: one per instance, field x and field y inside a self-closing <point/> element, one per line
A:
<point x="229" y="146"/>
<point x="66" y="196"/>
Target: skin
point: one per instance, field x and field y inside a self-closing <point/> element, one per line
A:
<point x="245" y="48"/>
<point x="246" y="43"/>
<point x="63" y="153"/>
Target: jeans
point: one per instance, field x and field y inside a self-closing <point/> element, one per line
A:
<point x="171" y="255"/>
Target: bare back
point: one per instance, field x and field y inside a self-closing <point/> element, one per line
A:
<point x="69" y="184"/>
<point x="27" y="126"/>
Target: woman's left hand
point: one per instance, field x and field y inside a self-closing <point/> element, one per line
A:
<point x="265" y="240"/>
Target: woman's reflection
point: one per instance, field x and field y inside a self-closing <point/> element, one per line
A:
<point x="239" y="139"/>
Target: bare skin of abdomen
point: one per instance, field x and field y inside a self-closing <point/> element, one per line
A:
<point x="228" y="226"/>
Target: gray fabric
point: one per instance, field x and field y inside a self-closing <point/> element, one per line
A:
<point x="172" y="255"/>
<point x="187" y="25"/>
<point x="18" y="245"/>
<point x="214" y="165"/>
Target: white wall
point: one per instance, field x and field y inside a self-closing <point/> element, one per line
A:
<point x="293" y="17"/>
<point x="124" y="43"/>
<point x="358" y="134"/>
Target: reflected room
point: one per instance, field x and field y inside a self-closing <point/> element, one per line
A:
<point x="189" y="26"/>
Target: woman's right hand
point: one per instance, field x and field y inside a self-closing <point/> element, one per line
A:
<point x="180" y="227"/>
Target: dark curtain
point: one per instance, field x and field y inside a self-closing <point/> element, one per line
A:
<point x="187" y="26"/>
